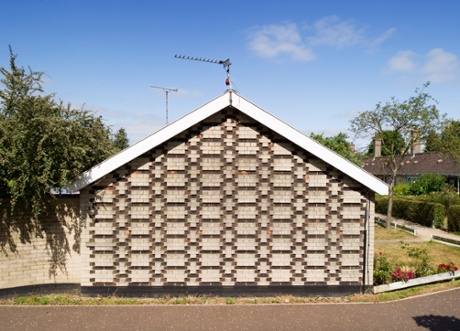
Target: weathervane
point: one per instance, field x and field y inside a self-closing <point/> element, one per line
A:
<point x="166" y="90"/>
<point x="225" y="63"/>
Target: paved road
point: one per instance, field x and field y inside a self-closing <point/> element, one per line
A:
<point x="440" y="311"/>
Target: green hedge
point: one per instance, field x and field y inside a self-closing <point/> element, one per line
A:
<point x="453" y="218"/>
<point x="421" y="212"/>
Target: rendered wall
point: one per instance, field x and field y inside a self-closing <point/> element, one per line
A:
<point x="227" y="203"/>
<point x="35" y="257"/>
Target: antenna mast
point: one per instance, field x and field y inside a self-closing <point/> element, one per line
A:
<point x="166" y="90"/>
<point x="225" y="63"/>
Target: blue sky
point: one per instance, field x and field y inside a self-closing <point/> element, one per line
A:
<point x="313" y="64"/>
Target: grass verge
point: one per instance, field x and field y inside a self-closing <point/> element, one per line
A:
<point x="67" y="299"/>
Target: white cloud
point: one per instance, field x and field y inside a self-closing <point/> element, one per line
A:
<point x="441" y="66"/>
<point x="383" y="37"/>
<point x="438" y="65"/>
<point x="331" y="31"/>
<point x="403" y="62"/>
<point x="272" y="40"/>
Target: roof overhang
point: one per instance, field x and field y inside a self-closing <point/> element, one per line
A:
<point x="230" y="98"/>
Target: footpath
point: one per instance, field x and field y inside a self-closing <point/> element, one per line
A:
<point x="422" y="233"/>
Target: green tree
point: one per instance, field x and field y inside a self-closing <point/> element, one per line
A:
<point x="391" y="142"/>
<point x="338" y="144"/>
<point x="120" y="140"/>
<point x="43" y="143"/>
<point x="447" y="141"/>
<point x="412" y="118"/>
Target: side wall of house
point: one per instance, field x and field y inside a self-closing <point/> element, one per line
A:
<point x="228" y="203"/>
<point x="36" y="257"/>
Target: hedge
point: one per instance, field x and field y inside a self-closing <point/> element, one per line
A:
<point x="421" y="212"/>
<point x="453" y="218"/>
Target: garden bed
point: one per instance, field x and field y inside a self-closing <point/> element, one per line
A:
<point x="415" y="282"/>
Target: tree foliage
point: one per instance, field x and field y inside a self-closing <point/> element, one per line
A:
<point x="43" y="143"/>
<point x="338" y="144"/>
<point x="446" y="141"/>
<point x="392" y="141"/>
<point x="120" y="140"/>
<point x="413" y="119"/>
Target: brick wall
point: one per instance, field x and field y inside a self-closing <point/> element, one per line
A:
<point x="35" y="257"/>
<point x="226" y="203"/>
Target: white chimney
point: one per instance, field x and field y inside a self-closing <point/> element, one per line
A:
<point x="377" y="147"/>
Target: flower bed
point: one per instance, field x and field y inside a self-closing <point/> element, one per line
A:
<point x="415" y="269"/>
<point x="415" y="282"/>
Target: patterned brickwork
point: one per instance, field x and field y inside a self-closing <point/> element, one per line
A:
<point x="226" y="203"/>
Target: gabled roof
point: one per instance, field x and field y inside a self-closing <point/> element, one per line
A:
<point x="230" y="98"/>
<point x="415" y="165"/>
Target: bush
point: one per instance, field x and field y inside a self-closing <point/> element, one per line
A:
<point x="417" y="211"/>
<point x="402" y="188"/>
<point x="381" y="204"/>
<point x="426" y="184"/>
<point x="453" y="218"/>
<point x="447" y="197"/>
<point x="382" y="269"/>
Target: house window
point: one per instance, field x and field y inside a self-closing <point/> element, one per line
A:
<point x="411" y="179"/>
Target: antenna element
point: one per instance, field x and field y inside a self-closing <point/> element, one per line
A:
<point x="225" y="63"/>
<point x="166" y="90"/>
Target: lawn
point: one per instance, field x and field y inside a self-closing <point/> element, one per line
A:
<point x="396" y="252"/>
<point x="391" y="234"/>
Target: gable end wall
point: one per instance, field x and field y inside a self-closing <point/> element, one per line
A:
<point x="226" y="204"/>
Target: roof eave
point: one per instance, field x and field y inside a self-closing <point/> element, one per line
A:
<point x="229" y="98"/>
<point x="151" y="141"/>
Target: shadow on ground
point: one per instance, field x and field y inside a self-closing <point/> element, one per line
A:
<point x="435" y="322"/>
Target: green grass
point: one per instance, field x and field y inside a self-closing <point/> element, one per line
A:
<point x="438" y="253"/>
<point x="391" y="234"/>
<point x="74" y="300"/>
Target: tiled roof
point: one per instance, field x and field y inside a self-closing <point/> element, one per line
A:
<point x="415" y="165"/>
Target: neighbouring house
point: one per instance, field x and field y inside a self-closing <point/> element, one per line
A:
<point x="414" y="165"/>
<point x="227" y="200"/>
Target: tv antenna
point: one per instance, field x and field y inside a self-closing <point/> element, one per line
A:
<point x="166" y="90"/>
<point x="225" y="63"/>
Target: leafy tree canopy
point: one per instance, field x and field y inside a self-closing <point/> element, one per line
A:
<point x="338" y="144"/>
<point x="392" y="141"/>
<point x="447" y="141"/>
<point x="120" y="140"/>
<point x="413" y="119"/>
<point x="44" y="144"/>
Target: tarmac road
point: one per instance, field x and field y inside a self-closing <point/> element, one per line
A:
<point x="440" y="311"/>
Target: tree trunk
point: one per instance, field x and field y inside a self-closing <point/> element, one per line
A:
<point x="390" y="201"/>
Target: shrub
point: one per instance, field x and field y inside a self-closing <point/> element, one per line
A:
<point x="419" y="259"/>
<point x="382" y="269"/>
<point x="450" y="267"/>
<point x="402" y="274"/>
<point x="414" y="210"/>
<point x="447" y="197"/>
<point x="381" y="204"/>
<point x="453" y="218"/>
<point x="402" y="188"/>
<point x="426" y="184"/>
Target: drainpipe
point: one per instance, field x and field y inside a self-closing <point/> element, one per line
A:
<point x="366" y="242"/>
